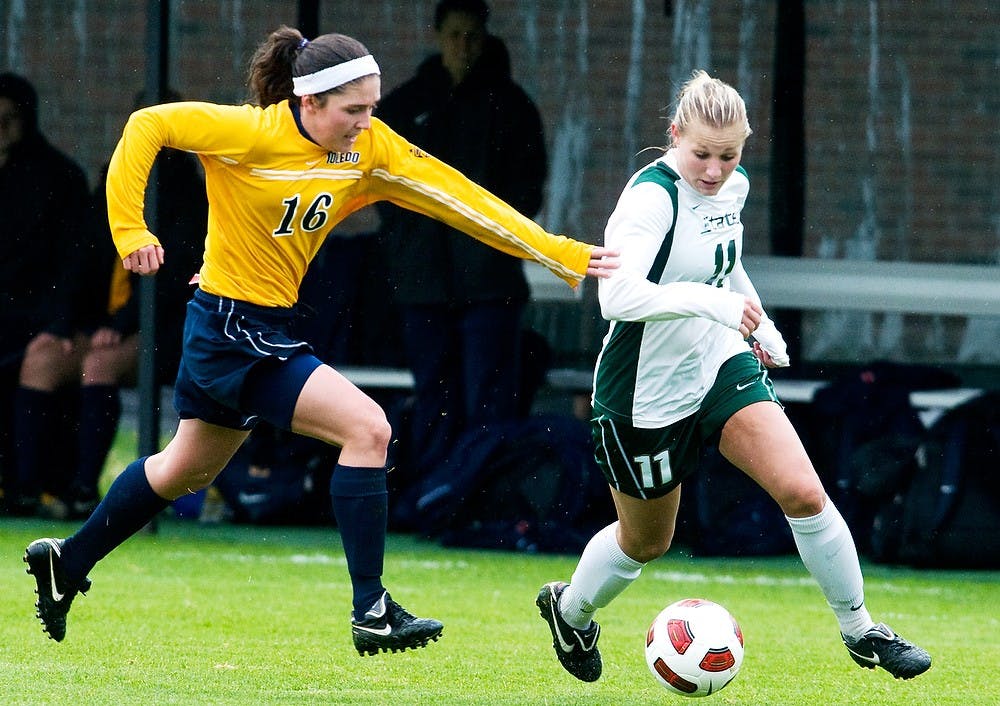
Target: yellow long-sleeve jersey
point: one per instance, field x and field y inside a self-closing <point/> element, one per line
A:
<point x="274" y="195"/>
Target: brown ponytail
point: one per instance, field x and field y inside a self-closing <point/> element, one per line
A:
<point x="286" y="53"/>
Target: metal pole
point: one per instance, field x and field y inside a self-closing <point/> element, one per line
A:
<point x="157" y="62"/>
<point x="788" y="156"/>
<point x="308" y="18"/>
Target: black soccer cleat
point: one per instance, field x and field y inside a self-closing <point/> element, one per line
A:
<point x="387" y="627"/>
<point x="55" y="593"/>
<point x="576" y="649"/>
<point x="881" y="647"/>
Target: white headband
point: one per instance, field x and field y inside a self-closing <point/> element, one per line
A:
<point x="334" y="76"/>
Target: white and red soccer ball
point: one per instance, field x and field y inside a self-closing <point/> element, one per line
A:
<point x="694" y="647"/>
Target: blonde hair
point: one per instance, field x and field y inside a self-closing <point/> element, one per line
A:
<point x="712" y="102"/>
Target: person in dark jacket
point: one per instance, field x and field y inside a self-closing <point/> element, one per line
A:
<point x="461" y="303"/>
<point x="47" y="245"/>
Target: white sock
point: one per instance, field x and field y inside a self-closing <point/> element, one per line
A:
<point x="603" y="572"/>
<point x="828" y="552"/>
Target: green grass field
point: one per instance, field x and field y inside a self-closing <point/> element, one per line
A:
<point x="199" y="614"/>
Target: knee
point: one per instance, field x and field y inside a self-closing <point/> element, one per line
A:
<point x="42" y="364"/>
<point x="100" y="368"/>
<point x="371" y="433"/>
<point x="378" y="431"/>
<point x="645" y="549"/>
<point x="806" y="501"/>
<point x="173" y="476"/>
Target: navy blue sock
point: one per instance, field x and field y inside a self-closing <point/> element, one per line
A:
<point x="35" y="425"/>
<point x="360" y="506"/>
<point x="128" y="507"/>
<point x="100" y="410"/>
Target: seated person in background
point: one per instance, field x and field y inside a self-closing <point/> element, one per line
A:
<point x="106" y="354"/>
<point x="47" y="241"/>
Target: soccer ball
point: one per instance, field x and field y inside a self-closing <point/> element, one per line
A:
<point x="694" y="647"/>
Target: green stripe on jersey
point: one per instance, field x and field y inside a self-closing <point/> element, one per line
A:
<point x="614" y="384"/>
<point x="666" y="177"/>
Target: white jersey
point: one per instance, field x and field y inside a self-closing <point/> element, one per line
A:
<point x="676" y="301"/>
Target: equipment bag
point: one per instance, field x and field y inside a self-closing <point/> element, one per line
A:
<point x="725" y="513"/>
<point x="527" y="485"/>
<point x="862" y="435"/>
<point x="948" y="515"/>
<point x="278" y="477"/>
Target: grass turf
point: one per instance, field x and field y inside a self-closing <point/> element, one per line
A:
<point x="226" y="614"/>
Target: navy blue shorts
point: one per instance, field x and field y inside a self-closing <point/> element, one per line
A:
<point x="240" y="363"/>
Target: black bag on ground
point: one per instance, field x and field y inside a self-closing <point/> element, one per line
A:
<point x="527" y="485"/>
<point x="948" y="514"/>
<point x="406" y="482"/>
<point x="278" y="477"/>
<point x="862" y="434"/>
<point x="723" y="512"/>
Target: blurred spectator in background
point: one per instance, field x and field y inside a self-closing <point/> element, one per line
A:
<point x="46" y="244"/>
<point x="106" y="354"/>
<point x="462" y="302"/>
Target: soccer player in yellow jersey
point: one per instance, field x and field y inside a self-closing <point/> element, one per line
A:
<point x="279" y="175"/>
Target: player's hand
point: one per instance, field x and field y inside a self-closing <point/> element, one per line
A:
<point x="763" y="356"/>
<point x="752" y="314"/>
<point x="603" y="261"/>
<point x="144" y="261"/>
<point x="105" y="337"/>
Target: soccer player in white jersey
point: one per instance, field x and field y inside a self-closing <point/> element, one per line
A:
<point x="279" y="174"/>
<point x="676" y="371"/>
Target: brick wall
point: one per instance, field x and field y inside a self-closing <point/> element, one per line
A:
<point x="901" y="107"/>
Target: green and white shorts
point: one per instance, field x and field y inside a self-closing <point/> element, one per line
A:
<point x="649" y="463"/>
